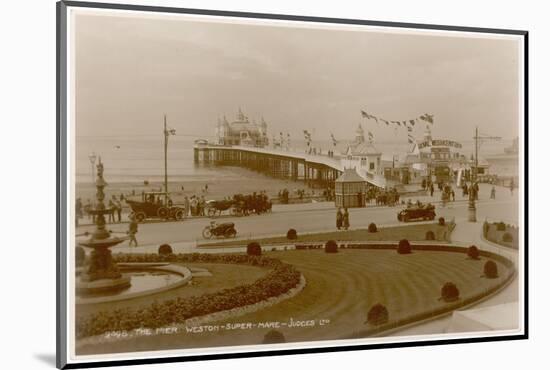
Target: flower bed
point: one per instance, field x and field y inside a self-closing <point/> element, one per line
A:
<point x="280" y="280"/>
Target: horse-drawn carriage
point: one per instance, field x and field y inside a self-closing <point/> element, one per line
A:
<point x="239" y="205"/>
<point x="155" y="205"/>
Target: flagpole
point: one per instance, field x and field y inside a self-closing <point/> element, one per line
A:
<point x="165" y="157"/>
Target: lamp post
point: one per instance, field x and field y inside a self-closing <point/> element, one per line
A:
<point x="167" y="132"/>
<point x="92" y="157"/>
<point x="473" y="178"/>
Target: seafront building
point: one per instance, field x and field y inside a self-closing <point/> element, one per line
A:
<point x="242" y="132"/>
<point x="245" y="143"/>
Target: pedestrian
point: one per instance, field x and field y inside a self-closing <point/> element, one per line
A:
<point x="493" y="192"/>
<point x="78" y="210"/>
<point x="453" y="194"/>
<point x="512" y="185"/>
<point x="431" y="190"/>
<point x="339" y="219"/>
<point x="206" y="188"/>
<point x="186" y="206"/>
<point x="132" y="231"/>
<point x="345" y="220"/>
<point x="476" y="191"/>
<point x="118" y="208"/>
<point x="111" y="211"/>
<point x="202" y="205"/>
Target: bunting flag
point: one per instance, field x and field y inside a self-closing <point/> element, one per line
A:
<point x="409" y="128"/>
<point x="371" y="136"/>
<point x="425" y="117"/>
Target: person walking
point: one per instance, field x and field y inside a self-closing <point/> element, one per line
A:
<point x="186" y="206"/>
<point x="117" y="209"/>
<point x="493" y="192"/>
<point x="111" y="211"/>
<point x="339" y="219"/>
<point x="345" y="220"/>
<point x="453" y="194"/>
<point x="132" y="231"/>
<point x="431" y="190"/>
<point x="512" y="186"/>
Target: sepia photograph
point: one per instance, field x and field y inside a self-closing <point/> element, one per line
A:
<point x="248" y="184"/>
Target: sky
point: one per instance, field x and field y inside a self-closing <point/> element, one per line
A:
<point x="131" y="70"/>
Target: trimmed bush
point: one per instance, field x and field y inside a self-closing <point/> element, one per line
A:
<point x="378" y="315"/>
<point x="507" y="238"/>
<point x="473" y="252"/>
<point x="165" y="249"/>
<point x="372" y="227"/>
<point x="331" y="247"/>
<point x="430" y="235"/>
<point x="80" y="256"/>
<point x="449" y="292"/>
<point x="441" y="221"/>
<point x="291" y="234"/>
<point x="404" y="247"/>
<point x="254" y="249"/>
<point x="490" y="269"/>
<point x="273" y="336"/>
<point x="501" y="226"/>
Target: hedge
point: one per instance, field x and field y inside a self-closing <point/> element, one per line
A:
<point x="378" y="315"/>
<point x="404" y="247"/>
<point x="254" y="249"/>
<point x="490" y="269"/>
<point x="430" y="235"/>
<point x="473" y="252"/>
<point x="449" y="292"/>
<point x="372" y="227"/>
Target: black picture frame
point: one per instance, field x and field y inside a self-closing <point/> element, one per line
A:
<point x="62" y="217"/>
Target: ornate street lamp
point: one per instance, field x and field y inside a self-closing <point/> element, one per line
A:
<point x="92" y="157"/>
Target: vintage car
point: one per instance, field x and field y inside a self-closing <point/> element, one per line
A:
<point x="417" y="212"/>
<point x="155" y="205"/>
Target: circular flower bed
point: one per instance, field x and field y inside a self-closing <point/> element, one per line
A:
<point x="430" y="235"/>
<point x="291" y="234"/>
<point x="378" y="315"/>
<point x="165" y="249"/>
<point x="331" y="247"/>
<point x="273" y="336"/>
<point x="490" y="269"/>
<point x="473" y="252"/>
<point x="404" y="247"/>
<point x="254" y="249"/>
<point x="449" y="292"/>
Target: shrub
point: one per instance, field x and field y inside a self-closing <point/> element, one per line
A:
<point x="378" y="315"/>
<point x="331" y="247"/>
<point x="490" y="269"/>
<point x="441" y="221"/>
<point x="291" y="234"/>
<point x="372" y="227"/>
<point x="165" y="249"/>
<point x="404" y="247"/>
<point x="501" y="226"/>
<point x="254" y="249"/>
<point x="507" y="238"/>
<point x="449" y="292"/>
<point x="473" y="252"/>
<point x="273" y="336"/>
<point x="430" y="235"/>
<point x="80" y="256"/>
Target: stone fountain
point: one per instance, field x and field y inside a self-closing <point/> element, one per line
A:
<point x="101" y="274"/>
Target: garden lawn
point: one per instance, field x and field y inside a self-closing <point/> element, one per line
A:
<point x="412" y="232"/>
<point x="224" y="276"/>
<point x="341" y="288"/>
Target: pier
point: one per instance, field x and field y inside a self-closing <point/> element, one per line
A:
<point x="316" y="170"/>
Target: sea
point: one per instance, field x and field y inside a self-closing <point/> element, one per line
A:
<point x="135" y="159"/>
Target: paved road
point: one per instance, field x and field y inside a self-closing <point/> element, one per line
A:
<point x="304" y="218"/>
